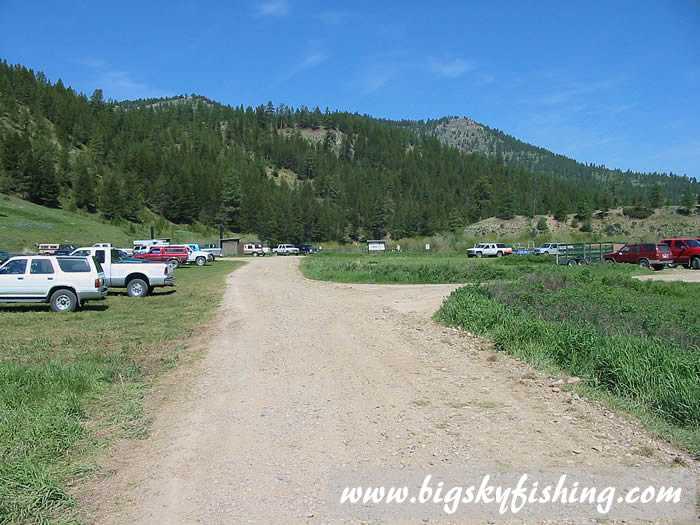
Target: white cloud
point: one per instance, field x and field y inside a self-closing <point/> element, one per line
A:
<point x="452" y="68"/>
<point x="273" y="8"/>
<point x="376" y="77"/>
<point x="313" y="59"/>
<point x="117" y="84"/>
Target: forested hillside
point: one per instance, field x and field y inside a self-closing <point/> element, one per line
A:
<point x="192" y="159"/>
<point x="471" y="136"/>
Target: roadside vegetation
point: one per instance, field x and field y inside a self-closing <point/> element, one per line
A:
<point x="71" y="382"/>
<point x="417" y="268"/>
<point x="638" y="341"/>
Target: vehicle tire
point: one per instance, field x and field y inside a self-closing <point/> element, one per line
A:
<point x="255" y="254"/>
<point x="499" y="254"/>
<point x="200" y="261"/>
<point x="572" y="262"/>
<point x="582" y="262"/>
<point x="173" y="263"/>
<point x="610" y="261"/>
<point x="479" y="254"/>
<point x="643" y="263"/>
<point x="695" y="263"/>
<point x="672" y="265"/>
<point x="137" y="288"/>
<point x="657" y="267"/>
<point x="63" y="301"/>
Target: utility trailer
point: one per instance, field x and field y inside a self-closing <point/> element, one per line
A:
<point x="580" y="253"/>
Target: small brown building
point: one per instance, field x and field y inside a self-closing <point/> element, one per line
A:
<point x="231" y="247"/>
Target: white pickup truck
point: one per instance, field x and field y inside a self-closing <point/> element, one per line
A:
<point x="213" y="250"/>
<point x="64" y="282"/>
<point x="139" y="277"/>
<point x="489" y="249"/>
<point x="286" y="249"/>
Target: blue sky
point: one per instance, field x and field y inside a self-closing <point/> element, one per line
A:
<point x="614" y="83"/>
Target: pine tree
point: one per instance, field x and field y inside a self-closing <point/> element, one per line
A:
<point x="111" y="204"/>
<point x="84" y="182"/>
<point x="230" y="207"/>
<point x="655" y="196"/>
<point x="689" y="200"/>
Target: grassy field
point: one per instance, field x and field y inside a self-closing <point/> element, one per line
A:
<point x="424" y="268"/>
<point x="71" y="382"/>
<point x="23" y="225"/>
<point x="636" y="343"/>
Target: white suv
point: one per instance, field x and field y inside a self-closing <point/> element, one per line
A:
<point x="550" y="248"/>
<point x="63" y="282"/>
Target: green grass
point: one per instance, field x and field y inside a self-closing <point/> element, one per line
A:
<point x="71" y="382"/>
<point x="410" y="268"/>
<point x="637" y="341"/>
<point x="23" y="225"/>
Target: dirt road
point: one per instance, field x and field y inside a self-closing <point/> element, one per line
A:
<point x="302" y="377"/>
<point x="676" y="274"/>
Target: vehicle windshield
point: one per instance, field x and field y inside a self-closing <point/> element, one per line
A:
<point x="481" y="245"/>
<point x="692" y="243"/>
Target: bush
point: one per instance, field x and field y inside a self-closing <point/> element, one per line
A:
<point x="637" y="212"/>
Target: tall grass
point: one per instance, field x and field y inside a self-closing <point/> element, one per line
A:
<point x="636" y="340"/>
<point x="397" y="268"/>
<point x="66" y="377"/>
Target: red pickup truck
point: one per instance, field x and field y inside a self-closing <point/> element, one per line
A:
<point x="685" y="252"/>
<point x="174" y="256"/>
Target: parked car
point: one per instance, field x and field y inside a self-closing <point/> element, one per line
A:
<point x="306" y="249"/>
<point x="286" y="249"/>
<point x="197" y="257"/>
<point x="64" y="282"/>
<point x="489" y="249"/>
<point x="685" y="252"/>
<point x="654" y="255"/>
<point x="46" y="248"/>
<point x="195" y="248"/>
<point x="4" y="256"/>
<point x="174" y="256"/>
<point x="550" y="248"/>
<point x="214" y="250"/>
<point x="65" y="249"/>
<point x="136" y="275"/>
<point x="254" y="249"/>
<point x="143" y="245"/>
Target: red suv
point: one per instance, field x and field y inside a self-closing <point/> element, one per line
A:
<point x="655" y="255"/>
<point x="685" y="252"/>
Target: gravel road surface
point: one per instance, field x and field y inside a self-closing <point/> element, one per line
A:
<point x="302" y="377"/>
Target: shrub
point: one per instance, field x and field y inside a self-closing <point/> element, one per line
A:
<point x="637" y="212"/>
